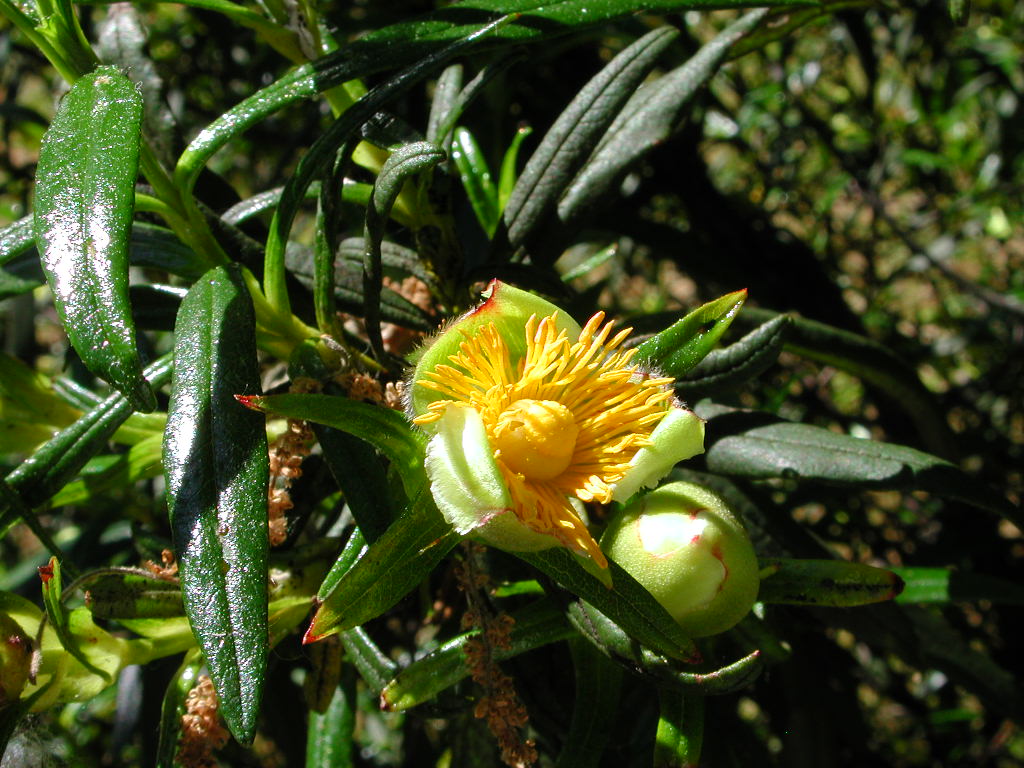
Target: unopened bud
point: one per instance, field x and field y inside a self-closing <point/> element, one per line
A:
<point x="690" y="552"/>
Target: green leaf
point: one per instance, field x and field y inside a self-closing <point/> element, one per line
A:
<point x="598" y="691"/>
<point x="686" y="342"/>
<point x="141" y="461"/>
<point x="680" y="732"/>
<point x="85" y="195"/>
<point x="475" y="176"/>
<point x="507" y="175"/>
<point x="568" y="143"/>
<point x="215" y="459"/>
<point x="386" y="430"/>
<point x="725" y="369"/>
<point x="403" y="163"/>
<point x="649" y="119"/>
<point x="626" y="603"/>
<point x="333" y="142"/>
<point x="408" y="41"/>
<point x="60" y="618"/>
<point x="330" y="737"/>
<point x="685" y="674"/>
<point x="48" y="469"/>
<point x="390" y="568"/>
<point x="759" y="445"/>
<point x="535" y="625"/>
<point x="833" y="583"/>
<point x="373" y="665"/>
<point x="942" y="585"/>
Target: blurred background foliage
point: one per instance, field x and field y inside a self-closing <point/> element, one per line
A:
<point x="863" y="171"/>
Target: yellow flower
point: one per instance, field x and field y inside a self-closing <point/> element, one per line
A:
<point x="531" y="418"/>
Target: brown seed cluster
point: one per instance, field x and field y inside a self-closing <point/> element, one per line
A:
<point x="201" y="730"/>
<point x="286" y="456"/>
<point x="499" y="704"/>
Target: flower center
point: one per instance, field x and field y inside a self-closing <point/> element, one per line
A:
<point x="536" y="438"/>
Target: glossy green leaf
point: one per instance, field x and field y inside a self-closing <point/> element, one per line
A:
<point x="48" y="469"/>
<point x="215" y="459"/>
<point x="403" y="163"/>
<point x="391" y="567"/>
<point x="538" y="624"/>
<point x="598" y="691"/>
<point x="626" y="602"/>
<point x="648" y="119"/>
<point x="677" y="349"/>
<point x="85" y="194"/>
<point x="942" y="585"/>
<point x="759" y="445"/>
<point x="834" y="583"/>
<point x="354" y="549"/>
<point x="475" y="176"/>
<point x="173" y="707"/>
<point x="507" y="175"/>
<point x="568" y="143"/>
<point x="735" y="365"/>
<point x="386" y="430"/>
<point x="680" y="734"/>
<point x="373" y="665"/>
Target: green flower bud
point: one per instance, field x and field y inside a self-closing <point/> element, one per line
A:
<point x="690" y="552"/>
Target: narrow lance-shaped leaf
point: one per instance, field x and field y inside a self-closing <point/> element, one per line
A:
<point x="576" y="132"/>
<point x="403" y="163"/>
<point x="388" y="431"/>
<point x="390" y="568"/>
<point x="760" y="445"/>
<point x="85" y="196"/>
<point x="686" y="342"/>
<point x="648" y="119"/>
<point x="215" y="458"/>
<point x="834" y="583"/>
<point x="476" y="178"/>
<point x="403" y="43"/>
<point x="740" y="362"/>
